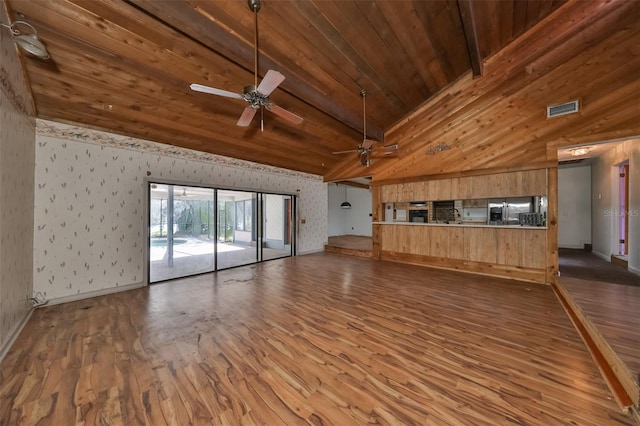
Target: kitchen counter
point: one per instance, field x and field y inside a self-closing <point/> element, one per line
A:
<point x="465" y="224"/>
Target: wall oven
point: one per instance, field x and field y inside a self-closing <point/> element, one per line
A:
<point x="419" y="216"/>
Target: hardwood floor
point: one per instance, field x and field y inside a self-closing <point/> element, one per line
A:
<point x="354" y="245"/>
<point x="581" y="264"/>
<point x="607" y="301"/>
<point x="316" y="339"/>
<point x="614" y="311"/>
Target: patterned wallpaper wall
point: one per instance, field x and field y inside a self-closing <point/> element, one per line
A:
<point x="89" y="203"/>
<point x="17" y="153"/>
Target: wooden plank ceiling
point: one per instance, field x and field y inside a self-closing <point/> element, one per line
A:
<point x="126" y="66"/>
<point x="587" y="51"/>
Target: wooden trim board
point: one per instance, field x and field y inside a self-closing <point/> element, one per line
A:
<point x="624" y="390"/>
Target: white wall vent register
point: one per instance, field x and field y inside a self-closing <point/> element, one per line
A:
<point x="563" y="109"/>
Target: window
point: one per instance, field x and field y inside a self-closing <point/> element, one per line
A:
<point x="244" y="215"/>
<point x="248" y="214"/>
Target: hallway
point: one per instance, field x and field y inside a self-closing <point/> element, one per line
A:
<point x="581" y="264"/>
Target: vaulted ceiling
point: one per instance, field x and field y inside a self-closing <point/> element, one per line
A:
<point x="126" y="67"/>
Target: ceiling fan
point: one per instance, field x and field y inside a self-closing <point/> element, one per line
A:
<point x="366" y="147"/>
<point x="256" y="95"/>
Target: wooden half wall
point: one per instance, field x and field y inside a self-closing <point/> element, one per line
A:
<point x="524" y="253"/>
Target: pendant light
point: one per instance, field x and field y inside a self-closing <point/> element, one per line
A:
<point x="28" y="42"/>
<point x="345" y="204"/>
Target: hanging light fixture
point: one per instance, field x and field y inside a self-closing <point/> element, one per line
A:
<point x="30" y="42"/>
<point x="345" y="204"/>
<point x="579" y="151"/>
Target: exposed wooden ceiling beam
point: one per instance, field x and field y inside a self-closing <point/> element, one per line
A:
<point x="353" y="184"/>
<point x="211" y="33"/>
<point x="471" y="35"/>
<point x="125" y="66"/>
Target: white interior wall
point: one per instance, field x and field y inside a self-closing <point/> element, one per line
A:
<point x="574" y="207"/>
<point x="17" y="153"/>
<point x="633" y="211"/>
<point x="359" y="216"/>
<point x="605" y="200"/>
<point x="337" y="217"/>
<point x="90" y="197"/>
<point x="353" y="221"/>
<point x="274" y="211"/>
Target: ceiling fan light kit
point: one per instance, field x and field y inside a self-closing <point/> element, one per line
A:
<point x="30" y="42"/>
<point x="256" y="95"/>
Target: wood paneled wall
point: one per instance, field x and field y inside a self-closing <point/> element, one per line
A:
<point x="514" y="253"/>
<point x="584" y="50"/>
<point x="510" y="184"/>
<point x="501" y="142"/>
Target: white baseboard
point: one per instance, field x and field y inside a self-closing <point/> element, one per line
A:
<point x="88" y="295"/>
<point x="633" y="270"/>
<point x="16" y="332"/>
<point x="602" y="256"/>
<point x="568" y="246"/>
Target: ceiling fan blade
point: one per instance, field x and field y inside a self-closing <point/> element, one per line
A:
<point x="269" y="83"/>
<point x="247" y="116"/>
<point x="214" y="91"/>
<point x="345" y="152"/>
<point x="384" y="154"/>
<point x="281" y="112"/>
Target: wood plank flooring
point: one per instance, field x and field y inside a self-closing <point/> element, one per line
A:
<point x="354" y="245"/>
<point x="316" y="339"/>
<point x="356" y="242"/>
<point x="614" y="309"/>
<point x="575" y="263"/>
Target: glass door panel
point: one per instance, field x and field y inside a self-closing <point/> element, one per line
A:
<point x="181" y="234"/>
<point x="277" y="225"/>
<point x="237" y="240"/>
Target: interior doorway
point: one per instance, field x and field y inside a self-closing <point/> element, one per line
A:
<point x="623" y="211"/>
<point x="601" y="278"/>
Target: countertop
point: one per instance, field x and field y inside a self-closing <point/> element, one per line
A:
<point x="467" y="224"/>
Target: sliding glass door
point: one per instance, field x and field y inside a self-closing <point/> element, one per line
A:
<point x="193" y="230"/>
<point x="181" y="230"/>
<point x="277" y="225"/>
<point x="238" y="245"/>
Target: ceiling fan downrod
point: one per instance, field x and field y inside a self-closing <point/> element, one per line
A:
<point x="256" y="95"/>
<point x="254" y="5"/>
<point x="363" y="93"/>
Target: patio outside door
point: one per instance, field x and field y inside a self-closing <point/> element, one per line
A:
<point x="181" y="231"/>
<point x="194" y="230"/>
